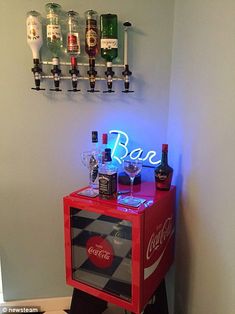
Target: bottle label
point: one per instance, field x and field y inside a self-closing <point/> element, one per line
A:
<point x="163" y="180"/>
<point x="52" y="15"/>
<point x="91" y="38"/>
<point x="34" y="31"/>
<point x="107" y="184"/>
<point x="53" y="32"/>
<point x="109" y="43"/>
<point x="100" y="252"/>
<point x="73" y="43"/>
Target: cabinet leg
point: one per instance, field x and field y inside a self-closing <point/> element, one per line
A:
<point x="161" y="298"/>
<point x="160" y="305"/>
<point x="84" y="303"/>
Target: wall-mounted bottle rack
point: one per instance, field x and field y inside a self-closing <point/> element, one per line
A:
<point x="107" y="41"/>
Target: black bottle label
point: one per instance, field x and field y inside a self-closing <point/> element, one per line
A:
<point x="108" y="185"/>
<point x="163" y="180"/>
<point x="94" y="173"/>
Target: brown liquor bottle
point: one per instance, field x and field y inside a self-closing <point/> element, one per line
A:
<point x="91" y="34"/>
<point x="163" y="173"/>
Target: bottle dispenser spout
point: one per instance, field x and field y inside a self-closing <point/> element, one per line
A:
<point x="37" y="70"/>
<point x="109" y="75"/>
<point x="56" y="72"/>
<point x="74" y="75"/>
<point x="126" y="73"/>
<point x="92" y="76"/>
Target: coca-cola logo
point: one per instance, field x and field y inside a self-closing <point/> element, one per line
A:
<point x="99" y="251"/>
<point x="159" y="237"/>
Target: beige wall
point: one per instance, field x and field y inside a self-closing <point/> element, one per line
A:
<point x="201" y="135"/>
<point x="43" y="134"/>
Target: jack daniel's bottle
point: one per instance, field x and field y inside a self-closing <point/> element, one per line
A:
<point x="108" y="178"/>
<point x="163" y="173"/>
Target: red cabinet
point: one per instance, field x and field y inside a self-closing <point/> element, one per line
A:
<point x="118" y="253"/>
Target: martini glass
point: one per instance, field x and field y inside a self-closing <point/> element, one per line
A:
<point x="132" y="168"/>
<point x="90" y="161"/>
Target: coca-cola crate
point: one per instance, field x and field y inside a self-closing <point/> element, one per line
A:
<point x="118" y="253"/>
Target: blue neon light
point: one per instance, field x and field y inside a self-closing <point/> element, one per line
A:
<point x="120" y="150"/>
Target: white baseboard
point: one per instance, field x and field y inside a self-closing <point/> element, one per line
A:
<point x="47" y="304"/>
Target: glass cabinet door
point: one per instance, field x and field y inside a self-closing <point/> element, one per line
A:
<point x="101" y="252"/>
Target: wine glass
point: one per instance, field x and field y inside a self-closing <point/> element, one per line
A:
<point x="132" y="168"/>
<point x="90" y="161"/>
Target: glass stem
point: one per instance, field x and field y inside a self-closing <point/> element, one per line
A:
<point x="90" y="179"/>
<point x="132" y="183"/>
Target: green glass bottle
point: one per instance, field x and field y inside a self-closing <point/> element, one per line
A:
<point x="109" y="36"/>
<point x="54" y="34"/>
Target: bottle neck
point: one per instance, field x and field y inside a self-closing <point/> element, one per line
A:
<point x="164" y="158"/>
<point x="94" y="146"/>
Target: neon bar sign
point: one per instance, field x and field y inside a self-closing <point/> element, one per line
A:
<point x="122" y="141"/>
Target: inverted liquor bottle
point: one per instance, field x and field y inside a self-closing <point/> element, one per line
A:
<point x="34" y="32"/>
<point x="54" y="40"/>
<point x="54" y="34"/>
<point x="109" y="36"/>
<point x="73" y="38"/>
<point x="73" y="47"/>
<point x="91" y="33"/>
<point x="163" y="173"/>
<point x="35" y="41"/>
<point x="109" y="44"/>
<point x="91" y="45"/>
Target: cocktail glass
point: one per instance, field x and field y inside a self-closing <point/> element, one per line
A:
<point x="132" y="168"/>
<point x="90" y="161"/>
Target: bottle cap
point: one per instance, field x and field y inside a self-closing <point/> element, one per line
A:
<point x="94" y="137"/>
<point x="107" y="155"/>
<point x="165" y="148"/>
<point x="104" y="138"/>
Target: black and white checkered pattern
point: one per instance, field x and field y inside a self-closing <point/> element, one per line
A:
<point x="115" y="279"/>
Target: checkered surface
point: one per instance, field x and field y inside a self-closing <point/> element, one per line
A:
<point x="115" y="279"/>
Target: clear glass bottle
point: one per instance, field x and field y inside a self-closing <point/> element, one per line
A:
<point x="34" y="32"/>
<point x="91" y="34"/>
<point x="163" y="173"/>
<point x="109" y="36"/>
<point x="94" y="160"/>
<point x="73" y="38"/>
<point x="54" y="34"/>
<point x="108" y="178"/>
